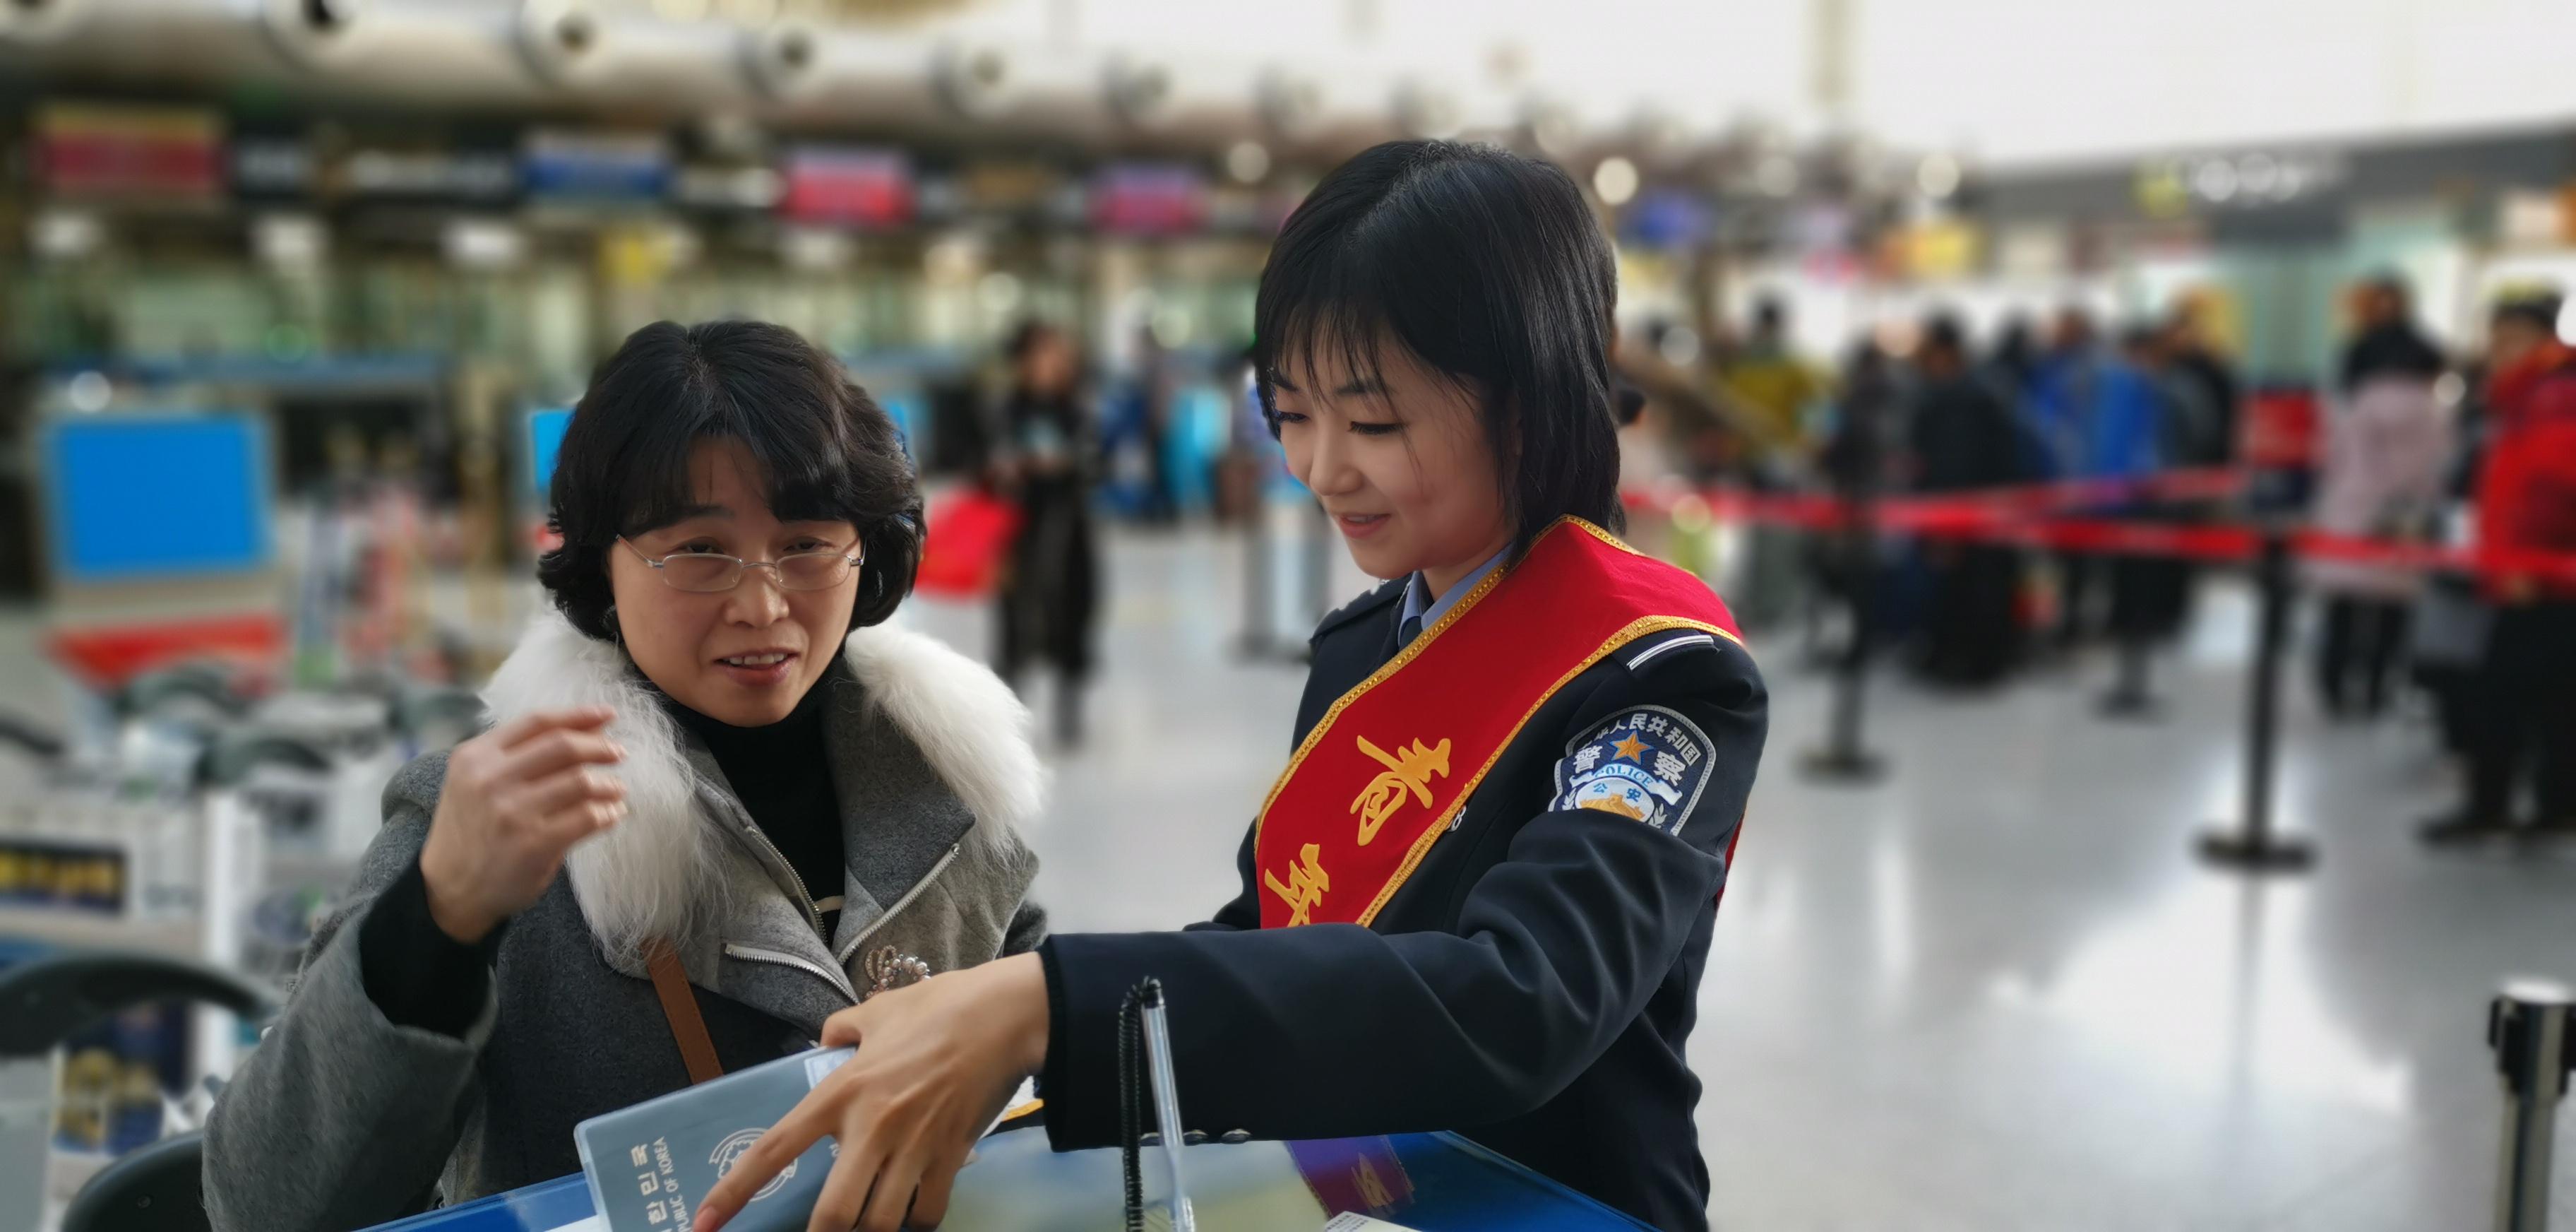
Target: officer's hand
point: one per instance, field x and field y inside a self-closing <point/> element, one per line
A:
<point x="935" y="1064"/>
<point x="515" y="800"/>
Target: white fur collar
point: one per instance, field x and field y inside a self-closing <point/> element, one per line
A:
<point x="949" y="704"/>
<point x="656" y="873"/>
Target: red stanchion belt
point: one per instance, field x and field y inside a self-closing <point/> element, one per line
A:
<point x="2044" y="515"/>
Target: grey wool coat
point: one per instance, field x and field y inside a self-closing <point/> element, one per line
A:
<point x="342" y="1118"/>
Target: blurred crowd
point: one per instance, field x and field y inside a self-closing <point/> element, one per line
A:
<point x="2408" y="445"/>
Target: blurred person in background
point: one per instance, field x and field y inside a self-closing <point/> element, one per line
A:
<point x="1517" y="954"/>
<point x="2526" y="504"/>
<point x="2012" y="369"/>
<point x="1706" y="432"/>
<point x="2447" y="631"/>
<point x="1155" y="384"/>
<point x="2162" y="419"/>
<point x="2073" y="391"/>
<point x="1962" y="437"/>
<point x="1773" y="383"/>
<point x="2192" y="357"/>
<point x="2013" y="364"/>
<point x="1046" y="459"/>
<point x="1857" y="461"/>
<point x="1709" y="435"/>
<point x="2387" y="443"/>
<point x="715" y="772"/>
<point x="2204" y="382"/>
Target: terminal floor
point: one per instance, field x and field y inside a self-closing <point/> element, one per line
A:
<point x="1994" y="991"/>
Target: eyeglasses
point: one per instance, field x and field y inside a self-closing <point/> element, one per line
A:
<point x="708" y="573"/>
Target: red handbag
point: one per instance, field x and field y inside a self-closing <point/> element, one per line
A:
<point x="962" y="550"/>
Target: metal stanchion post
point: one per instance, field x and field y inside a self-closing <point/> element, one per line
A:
<point x="1260" y="606"/>
<point x="2528" y="1026"/>
<point x="2253" y="846"/>
<point x="1844" y="759"/>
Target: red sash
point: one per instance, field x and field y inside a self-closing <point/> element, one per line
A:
<point x="1381" y="775"/>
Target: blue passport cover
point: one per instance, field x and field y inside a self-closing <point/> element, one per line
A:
<point x="651" y="1164"/>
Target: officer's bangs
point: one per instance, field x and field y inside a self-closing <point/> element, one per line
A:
<point x="1328" y="321"/>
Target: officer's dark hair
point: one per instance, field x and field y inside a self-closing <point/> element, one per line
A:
<point x="825" y="450"/>
<point x="1942" y="332"/>
<point x="1489" y="268"/>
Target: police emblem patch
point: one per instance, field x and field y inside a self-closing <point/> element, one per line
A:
<point x="1648" y="764"/>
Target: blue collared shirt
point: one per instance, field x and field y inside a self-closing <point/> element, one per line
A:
<point x="1418" y="600"/>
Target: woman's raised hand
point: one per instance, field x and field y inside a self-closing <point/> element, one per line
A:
<point x="515" y="800"/>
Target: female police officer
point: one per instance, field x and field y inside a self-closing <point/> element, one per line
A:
<point x="1480" y="897"/>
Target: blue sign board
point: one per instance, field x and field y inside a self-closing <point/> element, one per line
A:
<point x="134" y="497"/>
<point x="545" y="438"/>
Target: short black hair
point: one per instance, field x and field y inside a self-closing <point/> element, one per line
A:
<point x="2391" y="283"/>
<point x="1025" y="337"/>
<point x="2538" y="308"/>
<point x="826" y="452"/>
<point x="1942" y="332"/>
<point x="1490" y="269"/>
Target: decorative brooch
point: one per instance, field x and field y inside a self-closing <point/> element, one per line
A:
<point x="891" y="968"/>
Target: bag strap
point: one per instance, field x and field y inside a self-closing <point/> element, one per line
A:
<point x="680" y="1006"/>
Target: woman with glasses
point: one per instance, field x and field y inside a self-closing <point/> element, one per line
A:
<point x="720" y="802"/>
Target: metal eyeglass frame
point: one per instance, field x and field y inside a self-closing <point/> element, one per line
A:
<point x="742" y="567"/>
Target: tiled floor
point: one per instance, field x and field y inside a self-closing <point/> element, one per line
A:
<point x="1993" y="992"/>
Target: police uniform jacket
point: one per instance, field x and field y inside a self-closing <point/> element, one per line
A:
<point x="1533" y="983"/>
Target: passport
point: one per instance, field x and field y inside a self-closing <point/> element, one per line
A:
<point x="650" y="1165"/>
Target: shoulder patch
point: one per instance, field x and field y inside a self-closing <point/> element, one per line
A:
<point x="1647" y="764"/>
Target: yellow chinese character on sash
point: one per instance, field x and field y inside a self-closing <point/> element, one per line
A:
<point x="1407" y="770"/>
<point x="1306" y="884"/>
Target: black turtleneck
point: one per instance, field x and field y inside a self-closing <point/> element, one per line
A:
<point x="418" y="976"/>
<point x="782" y="773"/>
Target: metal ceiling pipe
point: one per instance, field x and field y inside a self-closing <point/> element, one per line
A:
<point x="310" y="32"/>
<point x="1427" y="109"/>
<point x="424" y="51"/>
<point x="676" y="68"/>
<point x="501" y="55"/>
<point x="1075" y="95"/>
<point x="1142" y="91"/>
<point x="977" y="79"/>
<point x="826" y="76"/>
<point x="183" y="41"/>
<point x="1343" y="113"/>
<point x="440" y="52"/>
<point x="1206" y="107"/>
<point x="33" y="23"/>
<point x="782" y="60"/>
